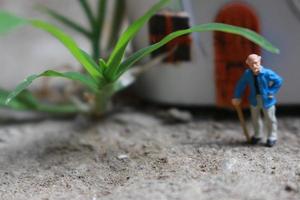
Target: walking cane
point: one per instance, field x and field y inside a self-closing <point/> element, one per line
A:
<point x="242" y="121"/>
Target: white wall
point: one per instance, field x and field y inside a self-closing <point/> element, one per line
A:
<point x="172" y="83"/>
<point x="193" y="83"/>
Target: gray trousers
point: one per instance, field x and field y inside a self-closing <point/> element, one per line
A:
<point x="270" y="120"/>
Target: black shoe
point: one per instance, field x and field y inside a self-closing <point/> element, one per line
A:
<point x="255" y="140"/>
<point x="271" y="143"/>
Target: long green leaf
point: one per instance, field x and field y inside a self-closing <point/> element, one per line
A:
<point x="118" y="15"/>
<point x="102" y="7"/>
<point x="59" y="109"/>
<point x="249" y="34"/>
<point x="70" y="44"/>
<point x="119" y="51"/>
<point x="89" y="58"/>
<point x="64" y="20"/>
<point x="27" y="102"/>
<point x="9" y="22"/>
<point x="23" y="102"/>
<point x="102" y="64"/>
<point x="85" y="80"/>
<point x="97" y="29"/>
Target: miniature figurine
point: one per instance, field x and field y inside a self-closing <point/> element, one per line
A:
<point x="263" y="84"/>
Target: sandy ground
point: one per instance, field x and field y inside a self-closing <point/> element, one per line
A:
<point x="137" y="155"/>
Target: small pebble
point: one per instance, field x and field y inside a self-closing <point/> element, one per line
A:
<point x="291" y="188"/>
<point x="123" y="157"/>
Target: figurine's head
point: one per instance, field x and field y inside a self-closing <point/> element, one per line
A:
<point x="254" y="61"/>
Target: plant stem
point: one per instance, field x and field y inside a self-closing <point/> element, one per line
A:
<point x="98" y="29"/>
<point x="95" y="36"/>
<point x="103" y="100"/>
<point x="58" y="109"/>
<point x="119" y="11"/>
<point x="95" y="42"/>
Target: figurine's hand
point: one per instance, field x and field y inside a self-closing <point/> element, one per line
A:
<point x="236" y="102"/>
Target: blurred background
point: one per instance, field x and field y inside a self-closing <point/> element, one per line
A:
<point x="196" y="81"/>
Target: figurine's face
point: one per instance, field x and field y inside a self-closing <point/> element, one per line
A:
<point x="254" y="62"/>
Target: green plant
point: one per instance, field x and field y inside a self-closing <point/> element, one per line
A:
<point x="96" y="23"/>
<point x="102" y="78"/>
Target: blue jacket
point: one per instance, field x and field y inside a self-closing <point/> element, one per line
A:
<point x="268" y="82"/>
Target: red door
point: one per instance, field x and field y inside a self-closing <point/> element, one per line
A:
<point x="231" y="51"/>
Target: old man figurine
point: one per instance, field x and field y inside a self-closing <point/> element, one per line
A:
<point x="264" y="84"/>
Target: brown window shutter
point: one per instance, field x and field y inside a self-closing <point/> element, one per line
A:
<point x="164" y="23"/>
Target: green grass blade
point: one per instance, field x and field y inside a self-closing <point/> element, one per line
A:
<point x="119" y="12"/>
<point x="91" y="60"/>
<point x="119" y="51"/>
<point x="102" y="64"/>
<point x="102" y="7"/>
<point x="88" y="11"/>
<point x="9" y="22"/>
<point x="85" y="80"/>
<point x="250" y="35"/>
<point x="97" y="29"/>
<point x="71" y="45"/>
<point x="27" y="102"/>
<point x="64" y="20"/>
<point x="60" y="109"/>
